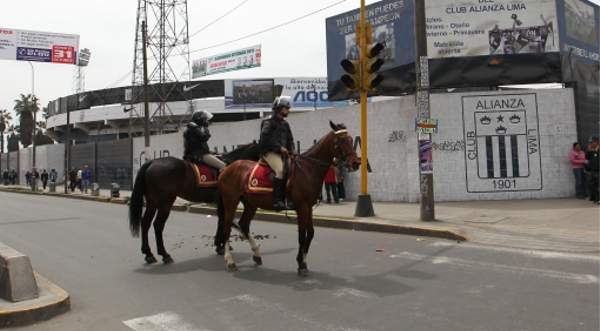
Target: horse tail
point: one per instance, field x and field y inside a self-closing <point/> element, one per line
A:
<point x="137" y="201"/>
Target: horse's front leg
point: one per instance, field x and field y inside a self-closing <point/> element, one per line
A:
<point x="306" y="233"/>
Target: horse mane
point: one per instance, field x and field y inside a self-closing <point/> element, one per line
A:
<point x="315" y="146"/>
<point x="249" y="151"/>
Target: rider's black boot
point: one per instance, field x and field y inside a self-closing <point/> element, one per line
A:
<point x="279" y="195"/>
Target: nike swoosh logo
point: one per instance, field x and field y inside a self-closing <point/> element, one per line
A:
<point x="187" y="88"/>
<point x="82" y="97"/>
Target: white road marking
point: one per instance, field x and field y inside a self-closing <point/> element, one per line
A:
<point x="526" y="252"/>
<point x="280" y="310"/>
<point x="167" y="321"/>
<point x="350" y="292"/>
<point x="564" y="276"/>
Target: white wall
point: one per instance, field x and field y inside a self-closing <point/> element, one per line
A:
<point x="544" y="133"/>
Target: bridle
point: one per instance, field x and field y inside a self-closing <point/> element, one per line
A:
<point x="342" y="163"/>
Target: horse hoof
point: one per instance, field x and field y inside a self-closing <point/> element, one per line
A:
<point x="257" y="260"/>
<point x="303" y="272"/>
<point x="231" y="267"/>
<point x="150" y="259"/>
<point x="168" y="260"/>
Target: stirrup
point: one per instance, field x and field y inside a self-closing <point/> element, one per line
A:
<point x="279" y="206"/>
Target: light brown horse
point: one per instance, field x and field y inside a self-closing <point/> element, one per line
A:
<point x="309" y="172"/>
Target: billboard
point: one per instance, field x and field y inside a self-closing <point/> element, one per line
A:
<point x="393" y="26"/>
<point x="476" y="28"/>
<point x="26" y="45"/>
<point x="307" y="93"/>
<point x="236" y="60"/>
<point x="579" y="29"/>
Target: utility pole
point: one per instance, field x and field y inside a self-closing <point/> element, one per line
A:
<point x="146" y="107"/>
<point x="361" y="75"/>
<point x="423" y="111"/>
<point x="34" y="101"/>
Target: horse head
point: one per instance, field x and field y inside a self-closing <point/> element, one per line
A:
<point x="343" y="149"/>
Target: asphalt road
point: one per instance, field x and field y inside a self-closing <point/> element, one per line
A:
<point x="415" y="284"/>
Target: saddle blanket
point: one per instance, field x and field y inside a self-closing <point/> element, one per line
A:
<point x="259" y="180"/>
<point x="204" y="175"/>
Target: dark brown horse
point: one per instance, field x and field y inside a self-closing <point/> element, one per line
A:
<point x="309" y="172"/>
<point x="161" y="181"/>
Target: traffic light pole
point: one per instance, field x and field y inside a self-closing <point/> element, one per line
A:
<point x="422" y="66"/>
<point x="364" y="205"/>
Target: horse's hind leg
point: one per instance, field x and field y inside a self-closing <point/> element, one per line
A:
<point x="159" y="226"/>
<point x="146" y="222"/>
<point x="245" y="219"/>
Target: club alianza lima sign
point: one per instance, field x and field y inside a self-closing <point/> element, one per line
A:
<point x="26" y="45"/>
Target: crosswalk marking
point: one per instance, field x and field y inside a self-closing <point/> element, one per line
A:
<point x="167" y="321"/>
<point x="526" y="252"/>
<point x="563" y="276"/>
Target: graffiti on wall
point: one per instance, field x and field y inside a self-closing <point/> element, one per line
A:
<point x="396" y="135"/>
<point x="449" y="146"/>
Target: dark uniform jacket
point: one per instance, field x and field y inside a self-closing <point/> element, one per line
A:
<point x="275" y="133"/>
<point x="592" y="157"/>
<point x="195" y="140"/>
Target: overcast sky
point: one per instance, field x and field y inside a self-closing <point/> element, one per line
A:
<point x="107" y="28"/>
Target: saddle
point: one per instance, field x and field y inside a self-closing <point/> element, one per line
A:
<point x="205" y="176"/>
<point x="259" y="179"/>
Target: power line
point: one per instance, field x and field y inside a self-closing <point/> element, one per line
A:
<point x="269" y="29"/>
<point x="218" y="19"/>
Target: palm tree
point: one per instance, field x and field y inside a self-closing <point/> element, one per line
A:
<point x="13" y="139"/>
<point x="24" y="108"/>
<point x="5" y="116"/>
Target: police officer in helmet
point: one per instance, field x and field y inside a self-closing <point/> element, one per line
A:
<point x="196" y="136"/>
<point x="277" y="141"/>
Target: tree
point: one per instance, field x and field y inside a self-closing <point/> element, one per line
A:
<point x="5" y="117"/>
<point x="24" y="108"/>
<point x="13" y="138"/>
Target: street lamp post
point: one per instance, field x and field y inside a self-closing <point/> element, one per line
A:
<point x="34" y="100"/>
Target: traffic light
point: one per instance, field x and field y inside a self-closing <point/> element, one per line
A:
<point x="352" y="77"/>
<point x="370" y="78"/>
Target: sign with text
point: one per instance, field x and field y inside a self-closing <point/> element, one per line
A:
<point x="426" y="125"/>
<point x="502" y="139"/>
<point x="249" y="57"/>
<point x="26" y="45"/>
<point x="476" y="27"/>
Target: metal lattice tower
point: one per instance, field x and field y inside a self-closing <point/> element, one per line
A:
<point x="167" y="49"/>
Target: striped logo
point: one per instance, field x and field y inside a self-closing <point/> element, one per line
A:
<point x="502" y="143"/>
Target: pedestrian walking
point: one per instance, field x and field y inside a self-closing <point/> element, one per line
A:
<point x="577" y="158"/>
<point x="28" y="178"/>
<point x="34" y="176"/>
<point x="79" y="179"/>
<point x="53" y="175"/>
<point x="5" y="175"/>
<point x="13" y="176"/>
<point x="44" y="178"/>
<point x="341" y="189"/>
<point x="85" y="177"/>
<point x="72" y="179"/>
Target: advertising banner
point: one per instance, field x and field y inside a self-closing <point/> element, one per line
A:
<point x="26" y="45"/>
<point x="236" y="60"/>
<point x="476" y="28"/>
<point x="393" y="26"/>
<point x="579" y="29"/>
<point x="258" y="94"/>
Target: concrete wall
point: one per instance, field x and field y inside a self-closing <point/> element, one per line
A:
<point x="494" y="145"/>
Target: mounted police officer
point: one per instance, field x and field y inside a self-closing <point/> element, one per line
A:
<point x="196" y="137"/>
<point x="277" y="141"/>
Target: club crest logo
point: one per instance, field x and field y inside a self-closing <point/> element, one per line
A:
<point x="502" y="143"/>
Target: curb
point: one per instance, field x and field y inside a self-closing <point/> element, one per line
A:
<point x="337" y="223"/>
<point x="52" y="301"/>
<point x="320" y="221"/>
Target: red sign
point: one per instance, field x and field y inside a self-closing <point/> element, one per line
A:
<point x="63" y="54"/>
